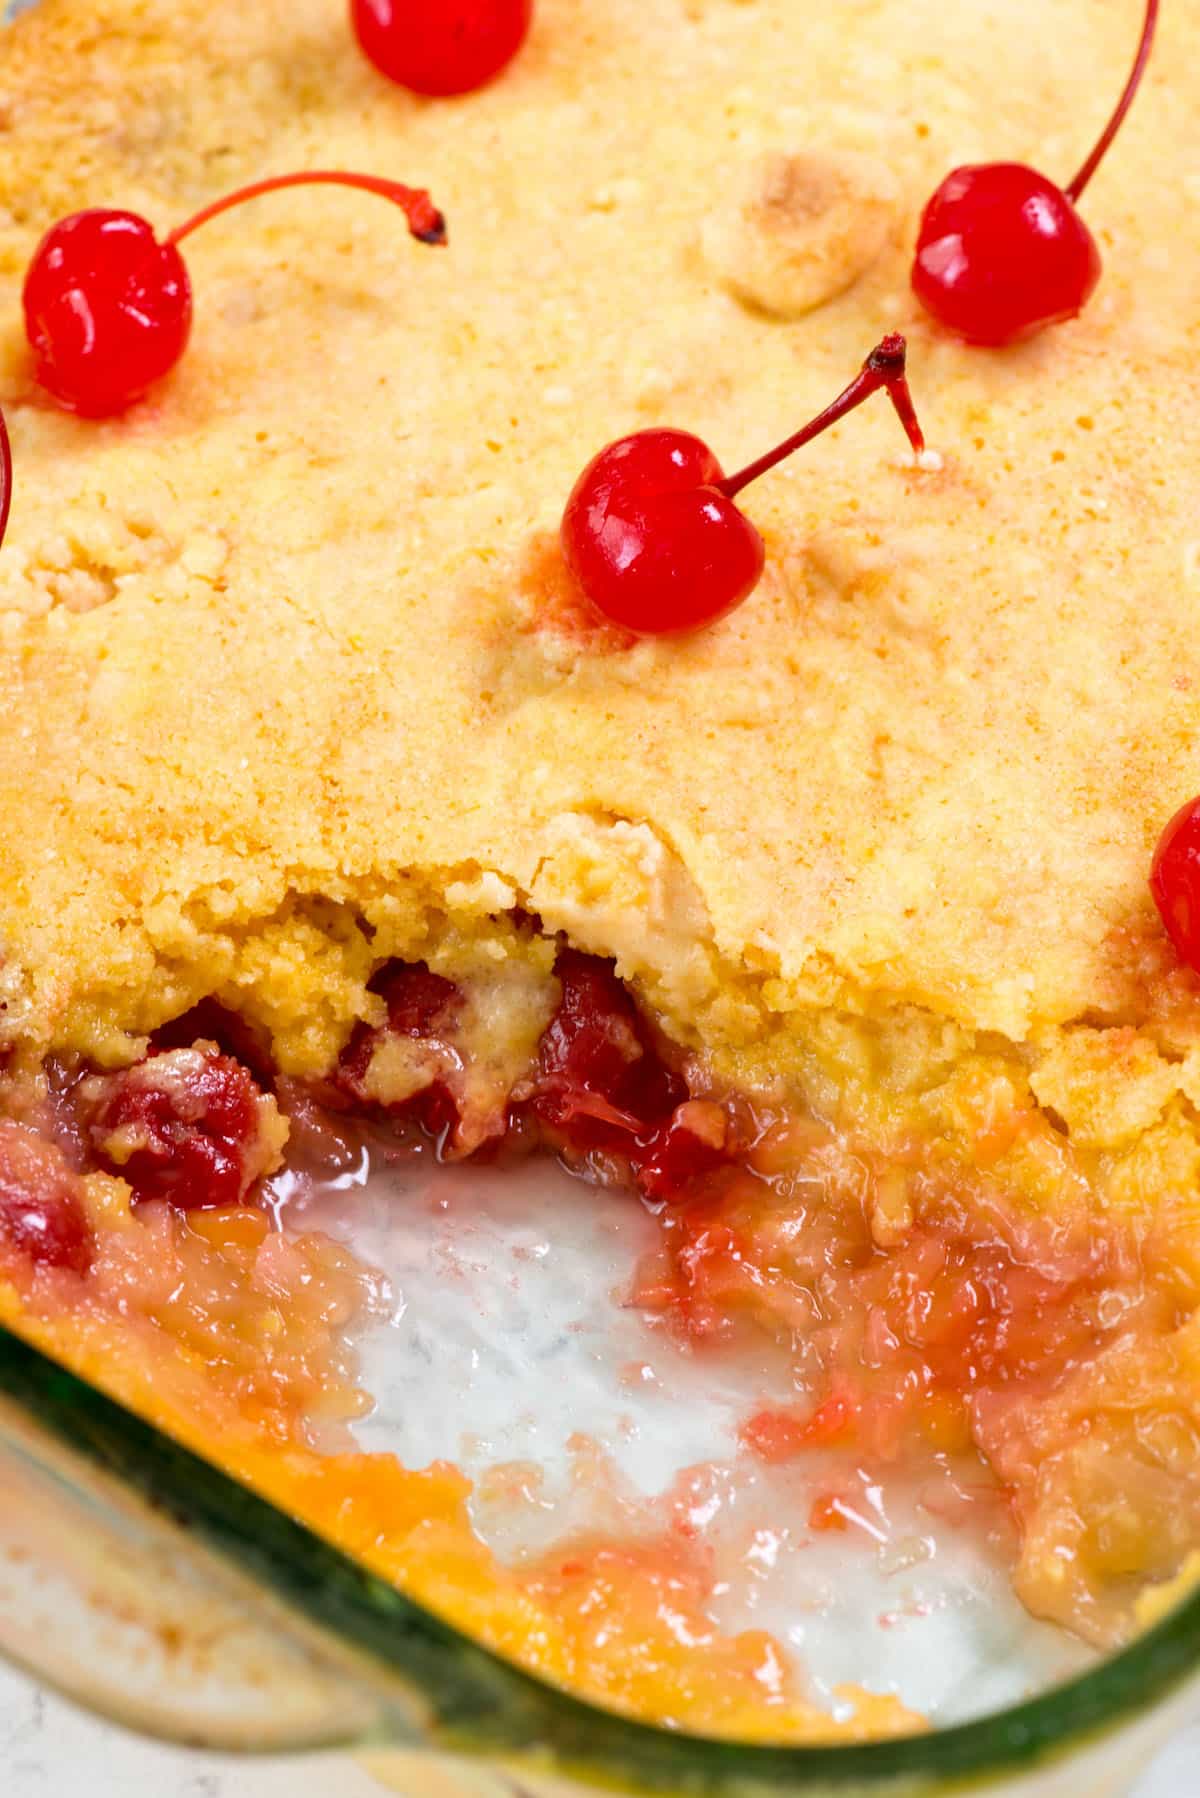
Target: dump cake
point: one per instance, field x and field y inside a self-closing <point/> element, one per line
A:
<point x="825" y="930"/>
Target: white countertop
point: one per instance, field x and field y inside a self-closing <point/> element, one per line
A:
<point x="48" y="1749"/>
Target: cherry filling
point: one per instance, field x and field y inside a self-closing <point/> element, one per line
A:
<point x="598" y="1071"/>
<point x="191" y="1124"/>
<point x="187" y="1125"/>
<point x="421" y="1010"/>
<point x="42" y="1215"/>
<point x="602" y="1083"/>
<point x="919" y="1305"/>
<point x="901" y="1329"/>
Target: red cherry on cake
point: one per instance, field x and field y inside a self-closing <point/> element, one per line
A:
<point x="1175" y="881"/>
<point x="1002" y="251"/>
<point x="651" y="531"/>
<point x="441" y="47"/>
<point x="108" y="308"/>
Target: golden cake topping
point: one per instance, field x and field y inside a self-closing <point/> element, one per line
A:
<point x="795" y="230"/>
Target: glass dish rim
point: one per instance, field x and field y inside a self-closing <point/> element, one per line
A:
<point x="481" y="1702"/>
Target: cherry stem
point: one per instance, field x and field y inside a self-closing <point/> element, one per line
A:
<point x="424" y="220"/>
<point x="1074" y="188"/>
<point x="6" y="477"/>
<point x="884" y="367"/>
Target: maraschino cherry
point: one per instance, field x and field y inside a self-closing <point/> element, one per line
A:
<point x="108" y="308"/>
<point x="1175" y="881"/>
<point x="441" y="47"/>
<point x="1002" y="251"/>
<point x="651" y="531"/>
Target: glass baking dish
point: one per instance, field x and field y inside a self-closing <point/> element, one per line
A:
<point x="144" y="1583"/>
<point x="150" y="1587"/>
